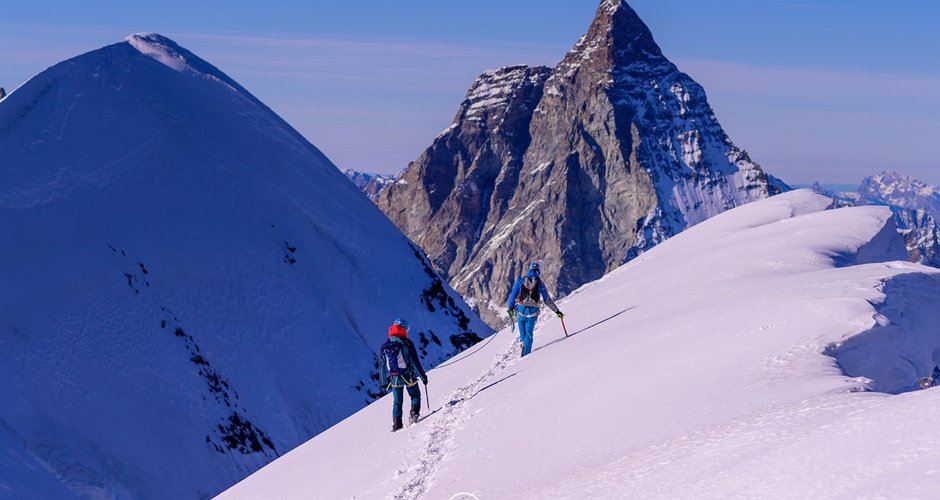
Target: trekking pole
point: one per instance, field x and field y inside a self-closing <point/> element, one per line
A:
<point x="563" y="325"/>
<point x="426" y="396"/>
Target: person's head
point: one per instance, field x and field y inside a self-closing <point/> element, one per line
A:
<point x="399" y="328"/>
<point x="534" y="269"/>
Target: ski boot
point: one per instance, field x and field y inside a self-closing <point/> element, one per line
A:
<point x="396" y="423"/>
<point x="415" y="415"/>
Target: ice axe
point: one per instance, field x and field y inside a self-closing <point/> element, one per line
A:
<point x="562" y="318"/>
<point x="426" y="396"/>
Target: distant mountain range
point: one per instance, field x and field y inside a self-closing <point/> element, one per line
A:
<point x="581" y="167"/>
<point x="369" y="183"/>
<point x="916" y="207"/>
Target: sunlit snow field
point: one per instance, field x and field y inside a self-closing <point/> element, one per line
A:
<point x="697" y="370"/>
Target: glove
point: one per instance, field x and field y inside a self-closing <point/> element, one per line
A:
<point x="511" y="312"/>
<point x="559" y="314"/>
<point x="424" y="379"/>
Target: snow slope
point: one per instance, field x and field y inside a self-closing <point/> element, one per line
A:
<point x="698" y="370"/>
<point x="188" y="287"/>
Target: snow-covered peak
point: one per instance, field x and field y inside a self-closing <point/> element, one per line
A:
<point x="893" y="188"/>
<point x="160" y="48"/>
<point x="172" y="55"/>
<point x="196" y="287"/>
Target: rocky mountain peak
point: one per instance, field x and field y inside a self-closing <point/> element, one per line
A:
<point x="628" y="34"/>
<point x="580" y="167"/>
<point x="616" y="41"/>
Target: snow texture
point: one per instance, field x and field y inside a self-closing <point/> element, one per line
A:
<point x="704" y="368"/>
<point x="189" y="287"/>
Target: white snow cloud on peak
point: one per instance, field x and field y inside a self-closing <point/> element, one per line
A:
<point x="159" y="48"/>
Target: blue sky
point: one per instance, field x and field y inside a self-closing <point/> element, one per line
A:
<point x="831" y="90"/>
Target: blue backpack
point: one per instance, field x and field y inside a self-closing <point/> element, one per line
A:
<point x="394" y="357"/>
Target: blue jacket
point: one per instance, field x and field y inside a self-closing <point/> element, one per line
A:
<point x="543" y="293"/>
<point x="411" y="359"/>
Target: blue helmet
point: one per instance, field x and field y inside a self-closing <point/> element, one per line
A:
<point x="402" y="323"/>
<point x="535" y="267"/>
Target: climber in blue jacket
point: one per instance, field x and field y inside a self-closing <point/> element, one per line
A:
<point x="525" y="303"/>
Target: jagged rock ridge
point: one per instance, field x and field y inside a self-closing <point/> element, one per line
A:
<point x="581" y="167"/>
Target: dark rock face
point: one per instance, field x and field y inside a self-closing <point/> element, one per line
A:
<point x="921" y="234"/>
<point x="462" y="184"/>
<point x="581" y="167"/>
<point x="370" y="184"/>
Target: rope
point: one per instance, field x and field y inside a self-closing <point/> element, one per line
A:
<point x="498" y="331"/>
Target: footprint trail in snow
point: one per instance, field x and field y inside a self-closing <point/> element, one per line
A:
<point x="415" y="478"/>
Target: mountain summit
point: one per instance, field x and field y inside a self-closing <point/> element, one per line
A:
<point x="190" y="288"/>
<point x="580" y="167"/>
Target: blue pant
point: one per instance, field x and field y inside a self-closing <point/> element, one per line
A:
<point x="527" y="327"/>
<point x="398" y="394"/>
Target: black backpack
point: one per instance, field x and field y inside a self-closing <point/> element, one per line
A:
<point x="393" y="356"/>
